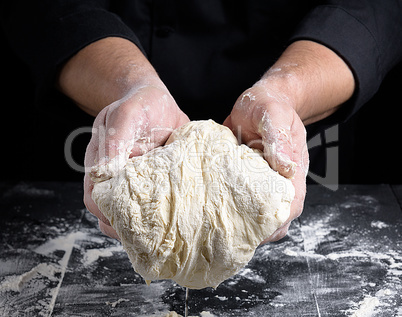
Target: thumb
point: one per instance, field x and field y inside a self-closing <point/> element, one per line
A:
<point x="228" y="122"/>
<point x="277" y="142"/>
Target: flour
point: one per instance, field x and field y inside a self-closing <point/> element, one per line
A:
<point x="24" y="189"/>
<point x="379" y="224"/>
<point x="314" y="233"/>
<point x="174" y="314"/>
<point x="251" y="275"/>
<point x="114" y="304"/>
<point x="42" y="271"/>
<point x="355" y="201"/>
<point x="290" y="252"/>
<point x="63" y="242"/>
<point x="367" y="307"/>
<point x="93" y="255"/>
<point x="221" y="298"/>
<point x="206" y="314"/>
<point x="66" y="244"/>
<point x="34" y="282"/>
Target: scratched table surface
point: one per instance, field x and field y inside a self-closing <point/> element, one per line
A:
<point x="342" y="257"/>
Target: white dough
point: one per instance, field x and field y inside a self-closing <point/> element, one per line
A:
<point x="194" y="210"/>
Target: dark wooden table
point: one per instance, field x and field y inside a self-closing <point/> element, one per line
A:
<point x="342" y="257"/>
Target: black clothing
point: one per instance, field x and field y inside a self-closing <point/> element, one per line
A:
<point x="208" y="52"/>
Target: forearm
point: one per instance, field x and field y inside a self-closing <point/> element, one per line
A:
<point x="312" y="78"/>
<point x="104" y="72"/>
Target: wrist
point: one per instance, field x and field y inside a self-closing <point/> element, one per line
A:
<point x="312" y="78"/>
<point x="282" y="82"/>
<point x="105" y="71"/>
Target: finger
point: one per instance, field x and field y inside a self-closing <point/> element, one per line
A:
<point x="108" y="230"/>
<point x="301" y="158"/>
<point x="183" y="119"/>
<point x="300" y="149"/>
<point x="275" y="127"/>
<point x="278" y="234"/>
<point x="91" y="155"/>
<point x="118" y="126"/>
<point x="228" y="122"/>
<point x="299" y="183"/>
<point x="89" y="203"/>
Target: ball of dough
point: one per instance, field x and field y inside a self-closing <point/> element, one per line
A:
<point x="194" y="210"/>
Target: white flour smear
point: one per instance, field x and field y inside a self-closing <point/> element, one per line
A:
<point x="17" y="283"/>
<point x="368" y="306"/>
<point x="380" y="293"/>
<point x="114" y="304"/>
<point x="39" y="278"/>
<point x="93" y="255"/>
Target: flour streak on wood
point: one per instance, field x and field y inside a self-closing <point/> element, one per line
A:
<point x="358" y="255"/>
<point x="341" y="257"/>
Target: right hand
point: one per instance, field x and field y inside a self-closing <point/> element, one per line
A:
<point x="264" y="118"/>
<point x="131" y="126"/>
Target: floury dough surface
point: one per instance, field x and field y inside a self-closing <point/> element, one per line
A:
<point x="194" y="210"/>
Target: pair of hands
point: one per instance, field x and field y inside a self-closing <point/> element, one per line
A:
<point x="146" y="116"/>
<point x="307" y="83"/>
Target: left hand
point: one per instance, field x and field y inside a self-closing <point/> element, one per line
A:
<point x="264" y="119"/>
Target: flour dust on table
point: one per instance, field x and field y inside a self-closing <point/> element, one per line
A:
<point x="194" y="210"/>
<point x="342" y="257"/>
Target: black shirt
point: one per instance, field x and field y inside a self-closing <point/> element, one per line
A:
<point x="207" y="52"/>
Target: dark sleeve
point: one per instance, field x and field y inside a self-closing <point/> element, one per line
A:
<point x="367" y="34"/>
<point x="46" y="33"/>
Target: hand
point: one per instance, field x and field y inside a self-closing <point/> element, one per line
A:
<point x="264" y="118"/>
<point x="141" y="119"/>
<point x="306" y="84"/>
<point x="131" y="126"/>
